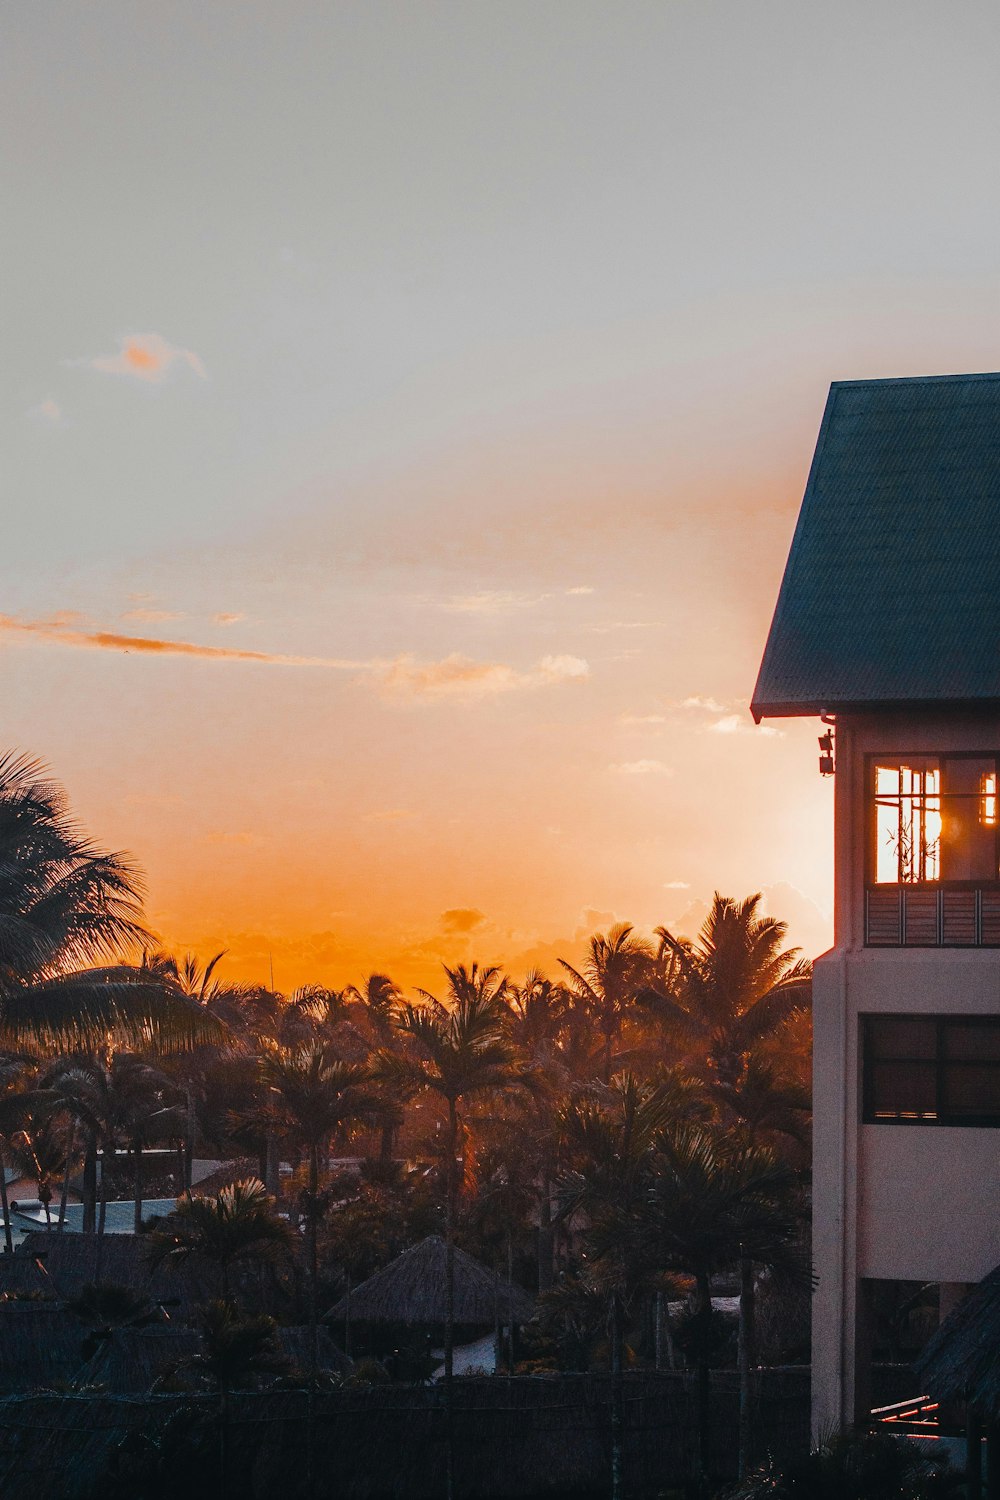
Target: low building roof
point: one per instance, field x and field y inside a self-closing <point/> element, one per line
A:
<point x="891" y="593"/>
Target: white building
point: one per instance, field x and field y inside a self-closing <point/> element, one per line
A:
<point x="888" y="623"/>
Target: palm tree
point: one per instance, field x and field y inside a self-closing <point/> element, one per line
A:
<point x="730" y="990"/>
<point x="379" y="999"/>
<point x="238" y="1226"/>
<point x="715" y="1202"/>
<point x="458" y="1052"/>
<point x="616" y="968"/>
<point x="611" y="1144"/>
<point x="235" y="1347"/>
<point x="38" y="1150"/>
<point x="313" y="1095"/>
<point x="144" y="1111"/>
<point x="66" y="905"/>
<point x="19" y="1098"/>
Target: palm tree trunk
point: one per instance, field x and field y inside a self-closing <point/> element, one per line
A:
<point x="658" y="1331"/>
<point x="90" y="1185"/>
<point x="545" y="1235"/>
<point x="617" y="1401"/>
<point x="703" y="1314"/>
<point x="137" y="1184"/>
<point x="272" y="1165"/>
<point x="8" y="1241"/>
<point x="747" y="1360"/>
<point x="64" y="1195"/>
<point x="223" y="1441"/>
<point x="449" y="1299"/>
<point x="102" y="1215"/>
<point x="191" y="1131"/>
<point x="313" y="1258"/>
<point x="510" y="1302"/>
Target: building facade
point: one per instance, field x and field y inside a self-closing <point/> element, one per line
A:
<point x="888" y="625"/>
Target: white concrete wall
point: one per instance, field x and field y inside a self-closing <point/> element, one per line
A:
<point x="889" y="1201"/>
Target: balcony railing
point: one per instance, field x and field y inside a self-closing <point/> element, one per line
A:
<point x="923" y="916"/>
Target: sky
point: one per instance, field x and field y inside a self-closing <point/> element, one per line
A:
<point x="406" y="409"/>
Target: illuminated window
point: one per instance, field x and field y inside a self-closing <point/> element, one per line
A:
<point x="936" y="818"/>
<point x="931" y="1070"/>
<point x="908" y="823"/>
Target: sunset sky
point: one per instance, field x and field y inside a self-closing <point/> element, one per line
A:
<point x="406" y="411"/>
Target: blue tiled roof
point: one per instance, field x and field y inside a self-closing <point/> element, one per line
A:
<point x="891" y="593"/>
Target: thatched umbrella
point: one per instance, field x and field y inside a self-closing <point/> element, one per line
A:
<point x="961" y="1363"/>
<point x="412" y="1290"/>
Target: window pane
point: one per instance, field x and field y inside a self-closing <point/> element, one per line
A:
<point x="975" y="1041"/>
<point x="907" y="821"/>
<point x="902" y="1037"/>
<point x="969" y="805"/>
<point x="902" y="1090"/>
<point x="971" y="1089"/>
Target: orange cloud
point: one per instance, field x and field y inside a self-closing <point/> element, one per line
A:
<point x="462" y="919"/>
<point x="58" y="632"/>
<point x="146" y="356"/>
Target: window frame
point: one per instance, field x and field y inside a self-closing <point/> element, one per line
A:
<point x="940" y="1064"/>
<point x="900" y="758"/>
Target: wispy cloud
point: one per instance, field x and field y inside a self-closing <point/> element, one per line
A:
<point x="145" y="356"/>
<point x="503" y="601"/>
<point x="488" y="602"/>
<point x="460" y="676"/>
<point x="642" y="768"/>
<point x="453" y="676"/>
<point x="639" y="721"/>
<point x="60" y="630"/>
<point x="735" y="724"/>
<point x="707" y="705"/>
<point x="223" y="618"/>
<point x="676" y="885"/>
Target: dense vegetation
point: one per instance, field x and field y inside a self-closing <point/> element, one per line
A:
<point x="616" y="1137"/>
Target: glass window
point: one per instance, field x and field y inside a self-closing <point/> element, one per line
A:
<point x="931" y="1069"/>
<point x="936" y="819"/>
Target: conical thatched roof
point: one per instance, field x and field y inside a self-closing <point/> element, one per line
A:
<point x="129" y="1360"/>
<point x="411" y="1290"/>
<point x="961" y="1362"/>
<point x="296" y="1345"/>
<point x="40" y="1346"/>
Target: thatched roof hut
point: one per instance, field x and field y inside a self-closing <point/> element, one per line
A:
<point x="128" y="1361"/>
<point x="41" y="1346"/>
<point x="410" y="1290"/>
<point x="961" y="1362"/>
<point x="296" y="1345"/>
